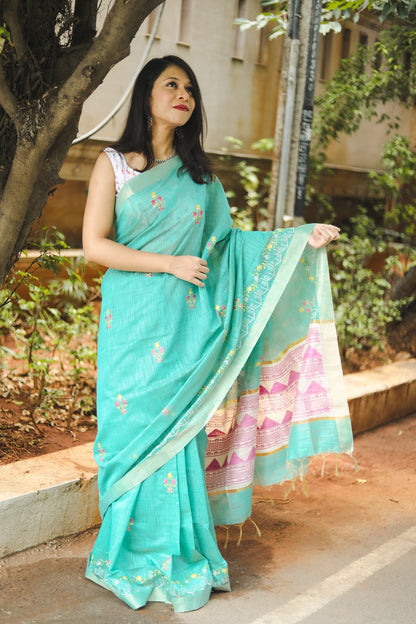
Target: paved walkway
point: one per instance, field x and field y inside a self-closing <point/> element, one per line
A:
<point x="345" y="554"/>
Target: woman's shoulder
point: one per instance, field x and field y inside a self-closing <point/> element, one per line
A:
<point x="114" y="155"/>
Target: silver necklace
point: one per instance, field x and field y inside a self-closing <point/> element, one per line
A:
<point x="159" y="161"/>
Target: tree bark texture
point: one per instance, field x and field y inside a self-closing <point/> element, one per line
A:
<point x="402" y="335"/>
<point x="46" y="125"/>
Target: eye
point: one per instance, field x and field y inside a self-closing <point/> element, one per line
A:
<point x="189" y="90"/>
<point x="171" y="83"/>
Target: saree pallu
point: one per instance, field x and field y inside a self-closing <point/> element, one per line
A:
<point x="204" y="392"/>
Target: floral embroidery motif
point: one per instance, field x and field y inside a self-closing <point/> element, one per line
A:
<point x="221" y="310"/>
<point x="130" y="524"/>
<point x="211" y="244"/>
<point x="170" y="483"/>
<point x="306" y="305"/>
<point x="149" y="274"/>
<point x="198" y="212"/>
<point x="238" y="305"/>
<point x="158" y="352"/>
<point x="259" y="361"/>
<point x="165" y="411"/>
<point x="101" y="451"/>
<point x="157" y="202"/>
<point x="190" y="299"/>
<point x="100" y="564"/>
<point x="108" y="319"/>
<point x="121" y="404"/>
<point x="307" y="264"/>
<point x="262" y="266"/>
<point x="166" y="563"/>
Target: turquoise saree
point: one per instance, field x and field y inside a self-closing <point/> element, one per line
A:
<point x="204" y="392"/>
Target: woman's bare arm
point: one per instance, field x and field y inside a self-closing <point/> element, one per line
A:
<point x="99" y="248"/>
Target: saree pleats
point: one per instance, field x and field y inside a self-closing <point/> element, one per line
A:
<point x="251" y="358"/>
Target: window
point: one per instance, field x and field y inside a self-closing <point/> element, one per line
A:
<point x="151" y="22"/>
<point x="240" y="35"/>
<point x="363" y="41"/>
<point x="345" y="43"/>
<point x="326" y="56"/>
<point x="185" y="22"/>
<point x="263" y="46"/>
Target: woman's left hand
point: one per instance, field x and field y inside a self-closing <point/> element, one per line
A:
<point x="323" y="234"/>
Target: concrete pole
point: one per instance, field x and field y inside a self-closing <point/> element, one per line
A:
<point x="278" y="134"/>
<point x="289" y="115"/>
<point x="289" y="88"/>
<point x="304" y="27"/>
<point x="287" y="135"/>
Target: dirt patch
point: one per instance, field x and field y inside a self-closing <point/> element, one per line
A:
<point x="64" y="417"/>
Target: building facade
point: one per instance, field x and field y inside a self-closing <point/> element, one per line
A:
<point x="239" y="74"/>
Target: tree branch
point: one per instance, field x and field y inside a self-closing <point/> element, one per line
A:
<point x="7" y="100"/>
<point x="121" y="25"/>
<point x="11" y="17"/>
<point x="84" y="30"/>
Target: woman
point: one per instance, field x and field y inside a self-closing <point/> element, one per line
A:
<point x="204" y="330"/>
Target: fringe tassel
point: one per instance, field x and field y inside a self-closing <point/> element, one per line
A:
<point x="227" y="528"/>
<point x="240" y="526"/>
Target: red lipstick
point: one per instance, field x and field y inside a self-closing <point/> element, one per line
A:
<point x="181" y="107"/>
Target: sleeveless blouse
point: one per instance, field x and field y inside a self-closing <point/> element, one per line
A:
<point x="122" y="171"/>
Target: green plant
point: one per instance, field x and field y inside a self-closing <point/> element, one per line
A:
<point x="255" y="184"/>
<point x="398" y="184"/>
<point x="50" y="338"/>
<point x="362" y="307"/>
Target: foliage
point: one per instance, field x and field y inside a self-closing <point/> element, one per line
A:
<point x="363" y="309"/>
<point x="45" y="333"/>
<point x="276" y="14"/>
<point x="255" y="185"/>
<point x="398" y="182"/>
<point x="276" y="17"/>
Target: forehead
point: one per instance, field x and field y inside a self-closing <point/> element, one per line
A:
<point x="173" y="71"/>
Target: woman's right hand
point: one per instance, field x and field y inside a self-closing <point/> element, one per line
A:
<point x="189" y="268"/>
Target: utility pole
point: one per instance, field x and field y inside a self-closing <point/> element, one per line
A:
<point x="307" y="111"/>
<point x="298" y="74"/>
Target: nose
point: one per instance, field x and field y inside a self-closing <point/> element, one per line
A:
<point x="183" y="94"/>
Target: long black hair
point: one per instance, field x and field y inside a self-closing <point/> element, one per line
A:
<point x="188" y="141"/>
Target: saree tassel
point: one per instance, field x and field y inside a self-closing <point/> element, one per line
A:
<point x="323" y="467"/>
<point x="240" y="526"/>
<point x="257" y="528"/>
<point x="356" y="466"/>
<point x="227" y="529"/>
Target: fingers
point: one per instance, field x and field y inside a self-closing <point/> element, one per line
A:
<point x="323" y="234"/>
<point x="190" y="269"/>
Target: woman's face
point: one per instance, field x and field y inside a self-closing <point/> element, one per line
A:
<point x="171" y="101"/>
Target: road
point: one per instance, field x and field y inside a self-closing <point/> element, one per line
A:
<point x="346" y="553"/>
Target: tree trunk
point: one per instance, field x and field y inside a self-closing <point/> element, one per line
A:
<point x="405" y="286"/>
<point x="46" y="128"/>
<point x="402" y="335"/>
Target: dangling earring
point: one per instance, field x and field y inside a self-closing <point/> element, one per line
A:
<point x="179" y="134"/>
<point x="149" y="120"/>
